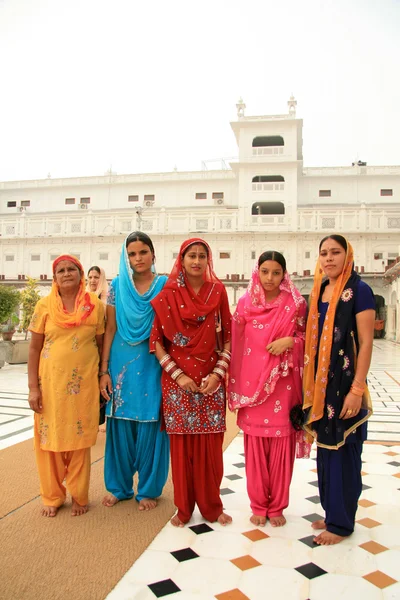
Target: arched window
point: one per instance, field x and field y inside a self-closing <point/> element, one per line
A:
<point x="268" y="183"/>
<point x="268" y="178"/>
<point x="268" y="208"/>
<point x="268" y="140"/>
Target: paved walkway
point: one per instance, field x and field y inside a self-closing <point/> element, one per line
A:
<point x="206" y="561"/>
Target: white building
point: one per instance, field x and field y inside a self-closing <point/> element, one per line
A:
<point x="266" y="200"/>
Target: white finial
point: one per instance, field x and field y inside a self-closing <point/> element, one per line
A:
<point x="292" y="103"/>
<point x="240" y="108"/>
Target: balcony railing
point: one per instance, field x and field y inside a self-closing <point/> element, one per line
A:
<point x="268" y="150"/>
<point x="268" y="187"/>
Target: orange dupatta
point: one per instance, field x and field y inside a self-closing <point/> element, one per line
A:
<point x="84" y="305"/>
<point x="314" y="384"/>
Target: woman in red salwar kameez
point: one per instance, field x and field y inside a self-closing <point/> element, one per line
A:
<point x="190" y="310"/>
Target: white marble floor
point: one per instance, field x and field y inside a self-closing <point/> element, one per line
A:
<point x="206" y="561"/>
<point x="238" y="562"/>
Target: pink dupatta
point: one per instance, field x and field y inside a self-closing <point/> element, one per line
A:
<point x="254" y="372"/>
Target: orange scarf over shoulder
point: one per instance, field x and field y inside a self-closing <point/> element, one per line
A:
<point x="314" y="384"/>
<point x="84" y="305"/>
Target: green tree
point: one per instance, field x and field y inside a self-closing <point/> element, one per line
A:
<point x="9" y="303"/>
<point x="29" y="298"/>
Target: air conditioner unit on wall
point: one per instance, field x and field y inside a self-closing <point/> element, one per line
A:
<point x="83" y="206"/>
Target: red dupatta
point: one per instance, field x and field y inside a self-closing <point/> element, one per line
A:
<point x="187" y="318"/>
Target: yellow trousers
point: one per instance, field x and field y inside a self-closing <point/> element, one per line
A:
<point x="55" y="467"/>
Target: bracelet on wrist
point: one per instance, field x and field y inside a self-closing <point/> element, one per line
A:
<point x="176" y="374"/>
<point x="164" y="359"/>
<point x="357" y="391"/>
<point x="101" y="373"/>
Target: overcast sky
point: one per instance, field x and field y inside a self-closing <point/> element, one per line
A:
<point x="147" y="86"/>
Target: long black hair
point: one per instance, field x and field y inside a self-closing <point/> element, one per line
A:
<point x="273" y="255"/>
<point x="338" y="238"/>
<point x="139" y="236"/>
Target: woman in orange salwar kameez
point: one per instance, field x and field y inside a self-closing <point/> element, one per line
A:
<point x="67" y="331"/>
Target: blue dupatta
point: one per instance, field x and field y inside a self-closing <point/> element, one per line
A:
<point x="134" y="312"/>
<point x="135" y="373"/>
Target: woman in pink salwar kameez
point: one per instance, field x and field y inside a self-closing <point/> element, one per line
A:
<point x="265" y="384"/>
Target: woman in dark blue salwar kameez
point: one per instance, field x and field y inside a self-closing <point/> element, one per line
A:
<point x="337" y="404"/>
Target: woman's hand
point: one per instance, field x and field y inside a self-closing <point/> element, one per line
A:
<point x="186" y="383"/>
<point x="210" y="384"/>
<point x="35" y="400"/>
<point x="105" y="387"/>
<point x="279" y="346"/>
<point x="351" y="406"/>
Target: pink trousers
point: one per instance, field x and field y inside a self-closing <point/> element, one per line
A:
<point x="269" y="469"/>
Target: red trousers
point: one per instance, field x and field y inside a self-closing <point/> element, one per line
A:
<point x="269" y="468"/>
<point x="197" y="471"/>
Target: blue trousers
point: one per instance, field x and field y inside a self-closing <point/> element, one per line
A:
<point x="132" y="446"/>
<point x="340" y="486"/>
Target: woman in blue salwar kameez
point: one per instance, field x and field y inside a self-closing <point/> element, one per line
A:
<point x="130" y="381"/>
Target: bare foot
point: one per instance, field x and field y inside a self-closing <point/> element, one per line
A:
<point x="147" y="503"/>
<point x="78" y="509"/>
<point x="320" y="524"/>
<point x="224" y="519"/>
<point x="102" y="428"/>
<point x="176" y="522"/>
<point x="258" y="520"/>
<point x="49" y="511"/>
<point x="110" y="500"/>
<point x="326" y="538"/>
<point x="277" y="521"/>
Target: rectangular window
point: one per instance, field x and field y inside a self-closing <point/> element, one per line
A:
<point x="392" y="255"/>
<point x="35" y="257"/>
<point x="378" y="256"/>
<point x="386" y="192"/>
<point x="85" y="200"/>
<point x="201" y="196"/>
<point x="224" y="254"/>
<point x="69" y="200"/>
<point x="134" y="198"/>
<point x="25" y="202"/>
<point x="126" y="225"/>
<point x="175" y="255"/>
<point x="217" y="195"/>
<point x="9" y="257"/>
<point x="103" y="255"/>
<point x="11" y="204"/>
<point x="324" y="193"/>
<point x="253" y="255"/>
<point x="307" y="255"/>
<point x="76" y="227"/>
<point x="149" y="198"/>
<point x="53" y="257"/>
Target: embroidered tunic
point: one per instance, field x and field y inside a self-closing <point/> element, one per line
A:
<point x="68" y="379"/>
<point x="188" y="412"/>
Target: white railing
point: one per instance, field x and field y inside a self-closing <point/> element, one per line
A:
<point x="280" y="221"/>
<point x="268" y="187"/>
<point x="268" y="150"/>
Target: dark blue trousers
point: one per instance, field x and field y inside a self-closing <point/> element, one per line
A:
<point x="340" y="486"/>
